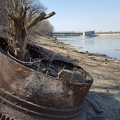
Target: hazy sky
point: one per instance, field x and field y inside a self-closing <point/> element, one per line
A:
<point x="83" y="15"/>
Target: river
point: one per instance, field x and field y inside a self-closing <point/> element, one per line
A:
<point x="108" y="46"/>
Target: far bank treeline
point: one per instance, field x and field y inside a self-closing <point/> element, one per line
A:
<point x="43" y="28"/>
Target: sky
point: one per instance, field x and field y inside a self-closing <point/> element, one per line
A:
<point x="84" y="15"/>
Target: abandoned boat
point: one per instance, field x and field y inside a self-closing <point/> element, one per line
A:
<point x="48" y="86"/>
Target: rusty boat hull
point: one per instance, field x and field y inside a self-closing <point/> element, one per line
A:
<point x="26" y="93"/>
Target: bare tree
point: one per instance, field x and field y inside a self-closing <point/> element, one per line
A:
<point x="18" y="25"/>
<point x="34" y="7"/>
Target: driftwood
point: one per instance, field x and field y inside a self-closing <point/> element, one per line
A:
<point x="35" y="93"/>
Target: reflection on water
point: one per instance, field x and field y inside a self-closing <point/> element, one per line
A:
<point x="108" y="46"/>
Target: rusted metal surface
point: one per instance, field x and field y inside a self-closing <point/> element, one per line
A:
<point x="34" y="93"/>
<point x="4" y="117"/>
<point x="39" y="111"/>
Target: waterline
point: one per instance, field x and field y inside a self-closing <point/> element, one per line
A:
<point x="108" y="46"/>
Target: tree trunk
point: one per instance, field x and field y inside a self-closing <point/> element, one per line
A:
<point x="16" y="32"/>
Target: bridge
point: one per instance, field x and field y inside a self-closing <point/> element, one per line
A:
<point x="54" y="34"/>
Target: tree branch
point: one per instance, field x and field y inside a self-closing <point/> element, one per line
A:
<point x="49" y="15"/>
<point x="41" y="16"/>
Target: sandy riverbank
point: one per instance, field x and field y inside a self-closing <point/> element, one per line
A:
<point x="108" y="35"/>
<point x="104" y="70"/>
<point x="105" y="90"/>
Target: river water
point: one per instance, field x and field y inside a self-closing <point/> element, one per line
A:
<point x="108" y="46"/>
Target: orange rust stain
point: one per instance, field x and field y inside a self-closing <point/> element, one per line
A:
<point x="23" y="70"/>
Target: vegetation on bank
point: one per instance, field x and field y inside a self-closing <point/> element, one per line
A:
<point x="44" y="28"/>
<point x="19" y="18"/>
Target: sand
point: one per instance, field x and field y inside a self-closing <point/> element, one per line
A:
<point x="108" y="35"/>
<point x="105" y="91"/>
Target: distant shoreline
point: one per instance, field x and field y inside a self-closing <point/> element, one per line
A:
<point x="100" y="35"/>
<point x="108" y="35"/>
